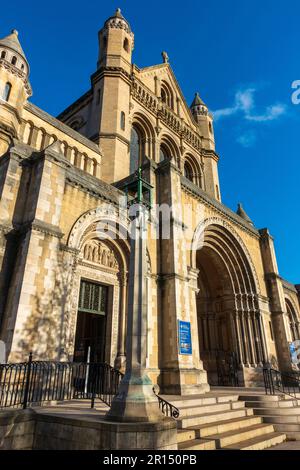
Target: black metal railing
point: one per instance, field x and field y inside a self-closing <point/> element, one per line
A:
<point x="36" y="382"/>
<point x="281" y="382"/>
<point x="166" y="407"/>
<point x="227" y="368"/>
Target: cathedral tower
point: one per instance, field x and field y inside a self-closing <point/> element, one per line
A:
<point x="205" y="123"/>
<point x="14" y="88"/>
<point x="111" y="85"/>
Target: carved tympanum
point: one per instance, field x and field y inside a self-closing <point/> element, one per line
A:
<point x="99" y="253"/>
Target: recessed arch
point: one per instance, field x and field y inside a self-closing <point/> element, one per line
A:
<point x="192" y="170"/>
<point x="141" y="141"/>
<point x="229" y="318"/>
<point x="169" y="148"/>
<point x="167" y="95"/>
<point x="294" y="322"/>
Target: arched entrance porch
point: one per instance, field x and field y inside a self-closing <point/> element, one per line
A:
<point x="231" y="332"/>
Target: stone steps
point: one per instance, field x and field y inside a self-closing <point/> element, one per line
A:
<point x="216" y="407"/>
<point x="273" y="404"/>
<point x="237" y="436"/>
<point x="199" y="400"/>
<point x="197" y="444"/>
<point x="195" y="420"/>
<point x="235" y="424"/>
<point x="282" y="411"/>
<point x="293" y="411"/>
<point x="222" y="422"/>
<point x="259" y="443"/>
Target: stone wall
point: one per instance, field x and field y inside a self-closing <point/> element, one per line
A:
<point x="17" y="429"/>
<point x="28" y="430"/>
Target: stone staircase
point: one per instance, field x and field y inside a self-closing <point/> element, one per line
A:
<point x="221" y="421"/>
<point x="282" y="411"/>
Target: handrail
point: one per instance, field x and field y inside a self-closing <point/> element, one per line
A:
<point x="166" y="407"/>
<point x="282" y="382"/>
<point x="35" y="382"/>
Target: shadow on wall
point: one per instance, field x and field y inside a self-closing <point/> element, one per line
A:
<point x="47" y="332"/>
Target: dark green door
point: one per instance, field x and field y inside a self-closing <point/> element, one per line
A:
<point x="91" y="322"/>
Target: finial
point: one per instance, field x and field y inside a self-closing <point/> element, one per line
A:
<point x="165" y="57"/>
<point x="14" y="31"/>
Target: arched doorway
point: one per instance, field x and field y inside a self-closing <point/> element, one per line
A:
<point x="231" y="335"/>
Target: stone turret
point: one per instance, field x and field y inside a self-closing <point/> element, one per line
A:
<point x="111" y="88"/>
<point x="116" y="42"/>
<point x="204" y="120"/>
<point x="15" y="88"/>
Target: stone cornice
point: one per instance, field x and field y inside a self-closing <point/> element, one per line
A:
<point x="289" y="286"/>
<point x="112" y="72"/>
<point x="39" y="226"/>
<point x="17" y="72"/>
<point x="197" y="192"/>
<point x="92" y="185"/>
<point x="69" y="249"/>
<point x="172" y="276"/>
<point x="112" y="135"/>
<point x="167" y="166"/>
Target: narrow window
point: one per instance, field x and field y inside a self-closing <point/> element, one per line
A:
<point x="126" y="45"/>
<point x="162" y="154"/>
<point x="14" y="60"/>
<point x="217" y="192"/>
<point x="135" y="150"/>
<point x="122" y="123"/>
<point x="271" y="330"/>
<point x="3" y="55"/>
<point x="188" y="172"/>
<point x="6" y="92"/>
<point x="98" y="96"/>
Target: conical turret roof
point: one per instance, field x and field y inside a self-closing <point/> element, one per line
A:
<point x="197" y="101"/>
<point x="118" y="19"/>
<point x="12" y="42"/>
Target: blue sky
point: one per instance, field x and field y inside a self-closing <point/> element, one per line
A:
<point x="241" y="56"/>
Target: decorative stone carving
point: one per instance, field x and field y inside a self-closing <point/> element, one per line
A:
<point x="100" y="253"/>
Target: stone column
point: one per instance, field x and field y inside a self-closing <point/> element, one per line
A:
<point x="121" y="355"/>
<point x="135" y="401"/>
<point x="277" y="300"/>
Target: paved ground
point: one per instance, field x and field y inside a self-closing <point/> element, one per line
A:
<point x="75" y="409"/>
<point x="291" y="445"/>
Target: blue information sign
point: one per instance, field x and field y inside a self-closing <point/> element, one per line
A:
<point x="184" y="337"/>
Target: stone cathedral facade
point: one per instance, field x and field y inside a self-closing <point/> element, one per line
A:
<point x="63" y="264"/>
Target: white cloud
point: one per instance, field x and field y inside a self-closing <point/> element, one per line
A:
<point x="272" y="112"/>
<point x="248" y="139"/>
<point x="244" y="100"/>
<point x="244" y="103"/>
